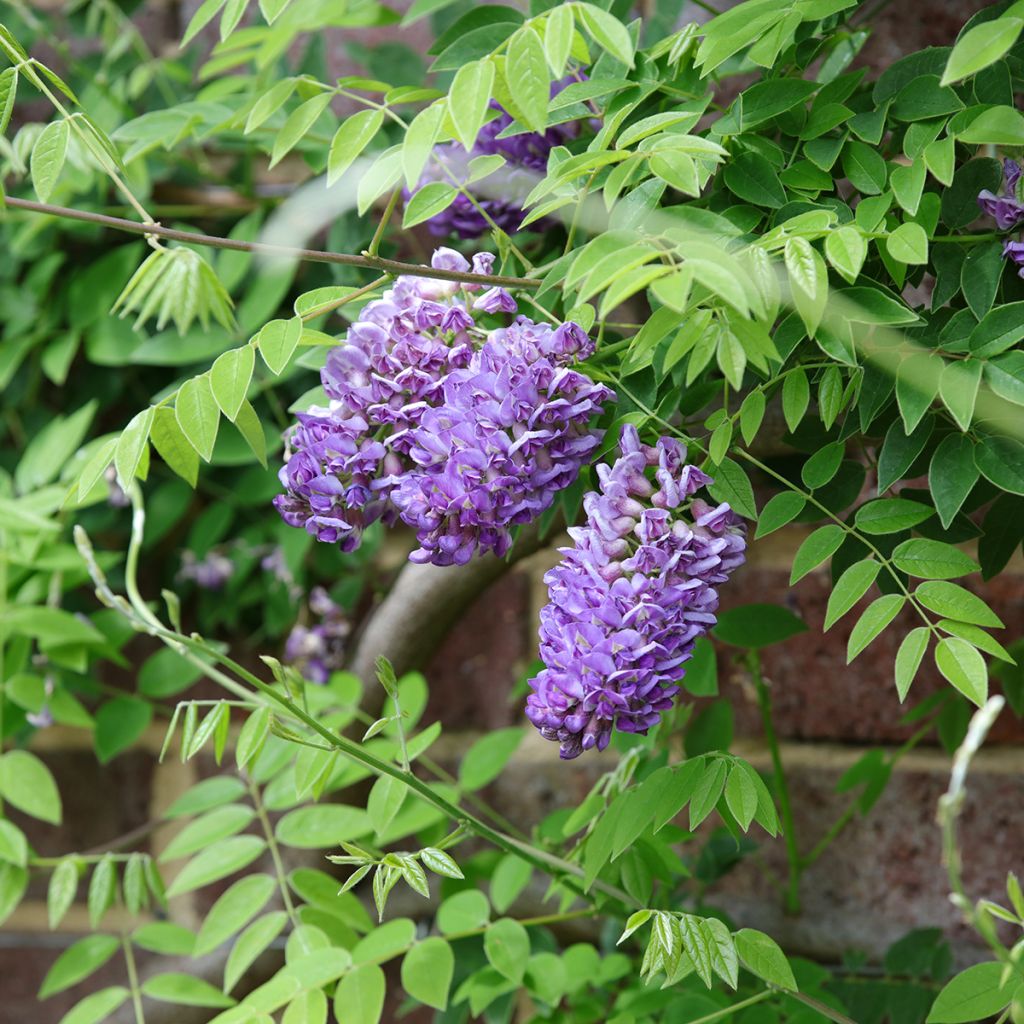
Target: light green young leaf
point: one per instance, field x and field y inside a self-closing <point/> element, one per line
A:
<point x="876" y="617"/>
<point x="48" y="155"/>
<point x="849" y="589"/>
<point x="952" y="601"/>
<point x="352" y="137"/>
<point x="77" y="962"/>
<point x="359" y="998"/>
<point x="427" y="202"/>
<point x="185" y="990"/>
<point x="419" y="142"/>
<point x="427" y="971"/>
<point x="962" y="664"/>
<point x="526" y="73"/>
<point x="981" y="46"/>
<point x="469" y="98"/>
<point x="277" y="342"/>
<point x="908" y="659"/>
<point x="96" y="1007"/>
<point x="233" y="910"/>
<point x="60" y="893"/>
<point x="173" y="446"/>
<point x="298" y="123"/>
<point x="28" y="784"/>
<point x="846" y="249"/>
<point x="558" y="30"/>
<point x="8" y="92"/>
<point x="229" y="378"/>
<point x="761" y="955"/>
<point x="131" y="446"/>
<point x="253" y="941"/>
<point x="507" y="945"/>
<point x="808" y="281"/>
<point x="197" y="414"/>
<point x="607" y="31"/>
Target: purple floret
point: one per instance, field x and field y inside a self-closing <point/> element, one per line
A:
<point x="1006" y="209"/>
<point x="631" y="597"/>
<point x="461" y="431"/>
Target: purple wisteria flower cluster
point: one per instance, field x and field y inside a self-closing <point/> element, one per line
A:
<point x="1008" y="211"/>
<point x="460" y="431"/>
<point x="631" y="597"/>
<point x="526" y="156"/>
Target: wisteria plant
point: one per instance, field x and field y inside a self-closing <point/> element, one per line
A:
<point x="640" y="284"/>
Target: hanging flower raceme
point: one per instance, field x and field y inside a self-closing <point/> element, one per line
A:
<point x="526" y="160"/>
<point x="631" y="597"/>
<point x="461" y="431"/>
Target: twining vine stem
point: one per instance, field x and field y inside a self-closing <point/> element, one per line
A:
<point x="366" y="259"/>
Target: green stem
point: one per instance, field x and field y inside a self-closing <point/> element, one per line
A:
<point x="734" y="1008"/>
<point x="378" y="235"/>
<point x="133" y="980"/>
<point x="275" y="852"/>
<point x="764" y="702"/>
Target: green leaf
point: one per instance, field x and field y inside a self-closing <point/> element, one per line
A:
<point x="77" y="962"/>
<point x="732" y="485"/>
<point x="507" y="946"/>
<point x="846" y="249"/>
<point x="954" y="602"/>
<point x="185" y="990"/>
<point x="469" y="97"/>
<point x="102" y="890"/>
<point x="277" y="342"/>
<point x="823" y="465"/>
<point x="97" y="1006"/>
<point x="607" y="31"/>
<point x="119" y="723"/>
<point x="297" y="124"/>
<point x="820" y="545"/>
<point x="229" y="378"/>
<point x="205" y="795"/>
<point x="440" y="863"/>
<point x="958" y="388"/>
<point x="757" y="625"/>
<point x="865" y="167"/>
<point x="248" y="946"/>
<point x="876" y="617"/>
<point x="48" y="155"/>
<point x="8" y="93"/>
<point x="964" y="667"/>
<point x="741" y="797"/>
<point x="808" y="278"/>
<point x="849" y="589"/>
<point x="890" y="515"/>
<point x="908" y="659"/>
<point x="233" y="911"/>
<point x="779" y="510"/>
<point x="13" y="845"/>
<point x="317" y="827"/>
<point x="1001" y="461"/>
<point x="268" y="103"/>
<point x="908" y="244"/>
<point x="465" y="911"/>
<point x="208" y="828"/>
<point x="13" y="883"/>
<point x="558" y="33"/>
<point x="996" y="126"/>
<point x="351" y="138"/>
<point x="427" y="971"/>
<point x="932" y="559"/>
<point x="974" y="994"/>
<point x="197" y="414"/>
<point x="165" y="938"/>
<point x="419" y="142"/>
<point x="907" y="184"/>
<point x="900" y="450"/>
<point x="952" y="475"/>
<point x="486" y="759"/>
<point x="217" y="861"/>
<point x="427" y="202"/>
<point x="61" y="891"/>
<point x="27" y="783"/>
<point x="359" y="998"/>
<point x="796" y="396"/>
<point x="981" y="46"/>
<point x="980" y="275"/>
<point x="752" y="178"/>
<point x="249" y="426"/>
<point x="131" y="445"/>
<point x="761" y="955"/>
<point x="173" y="446"/>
